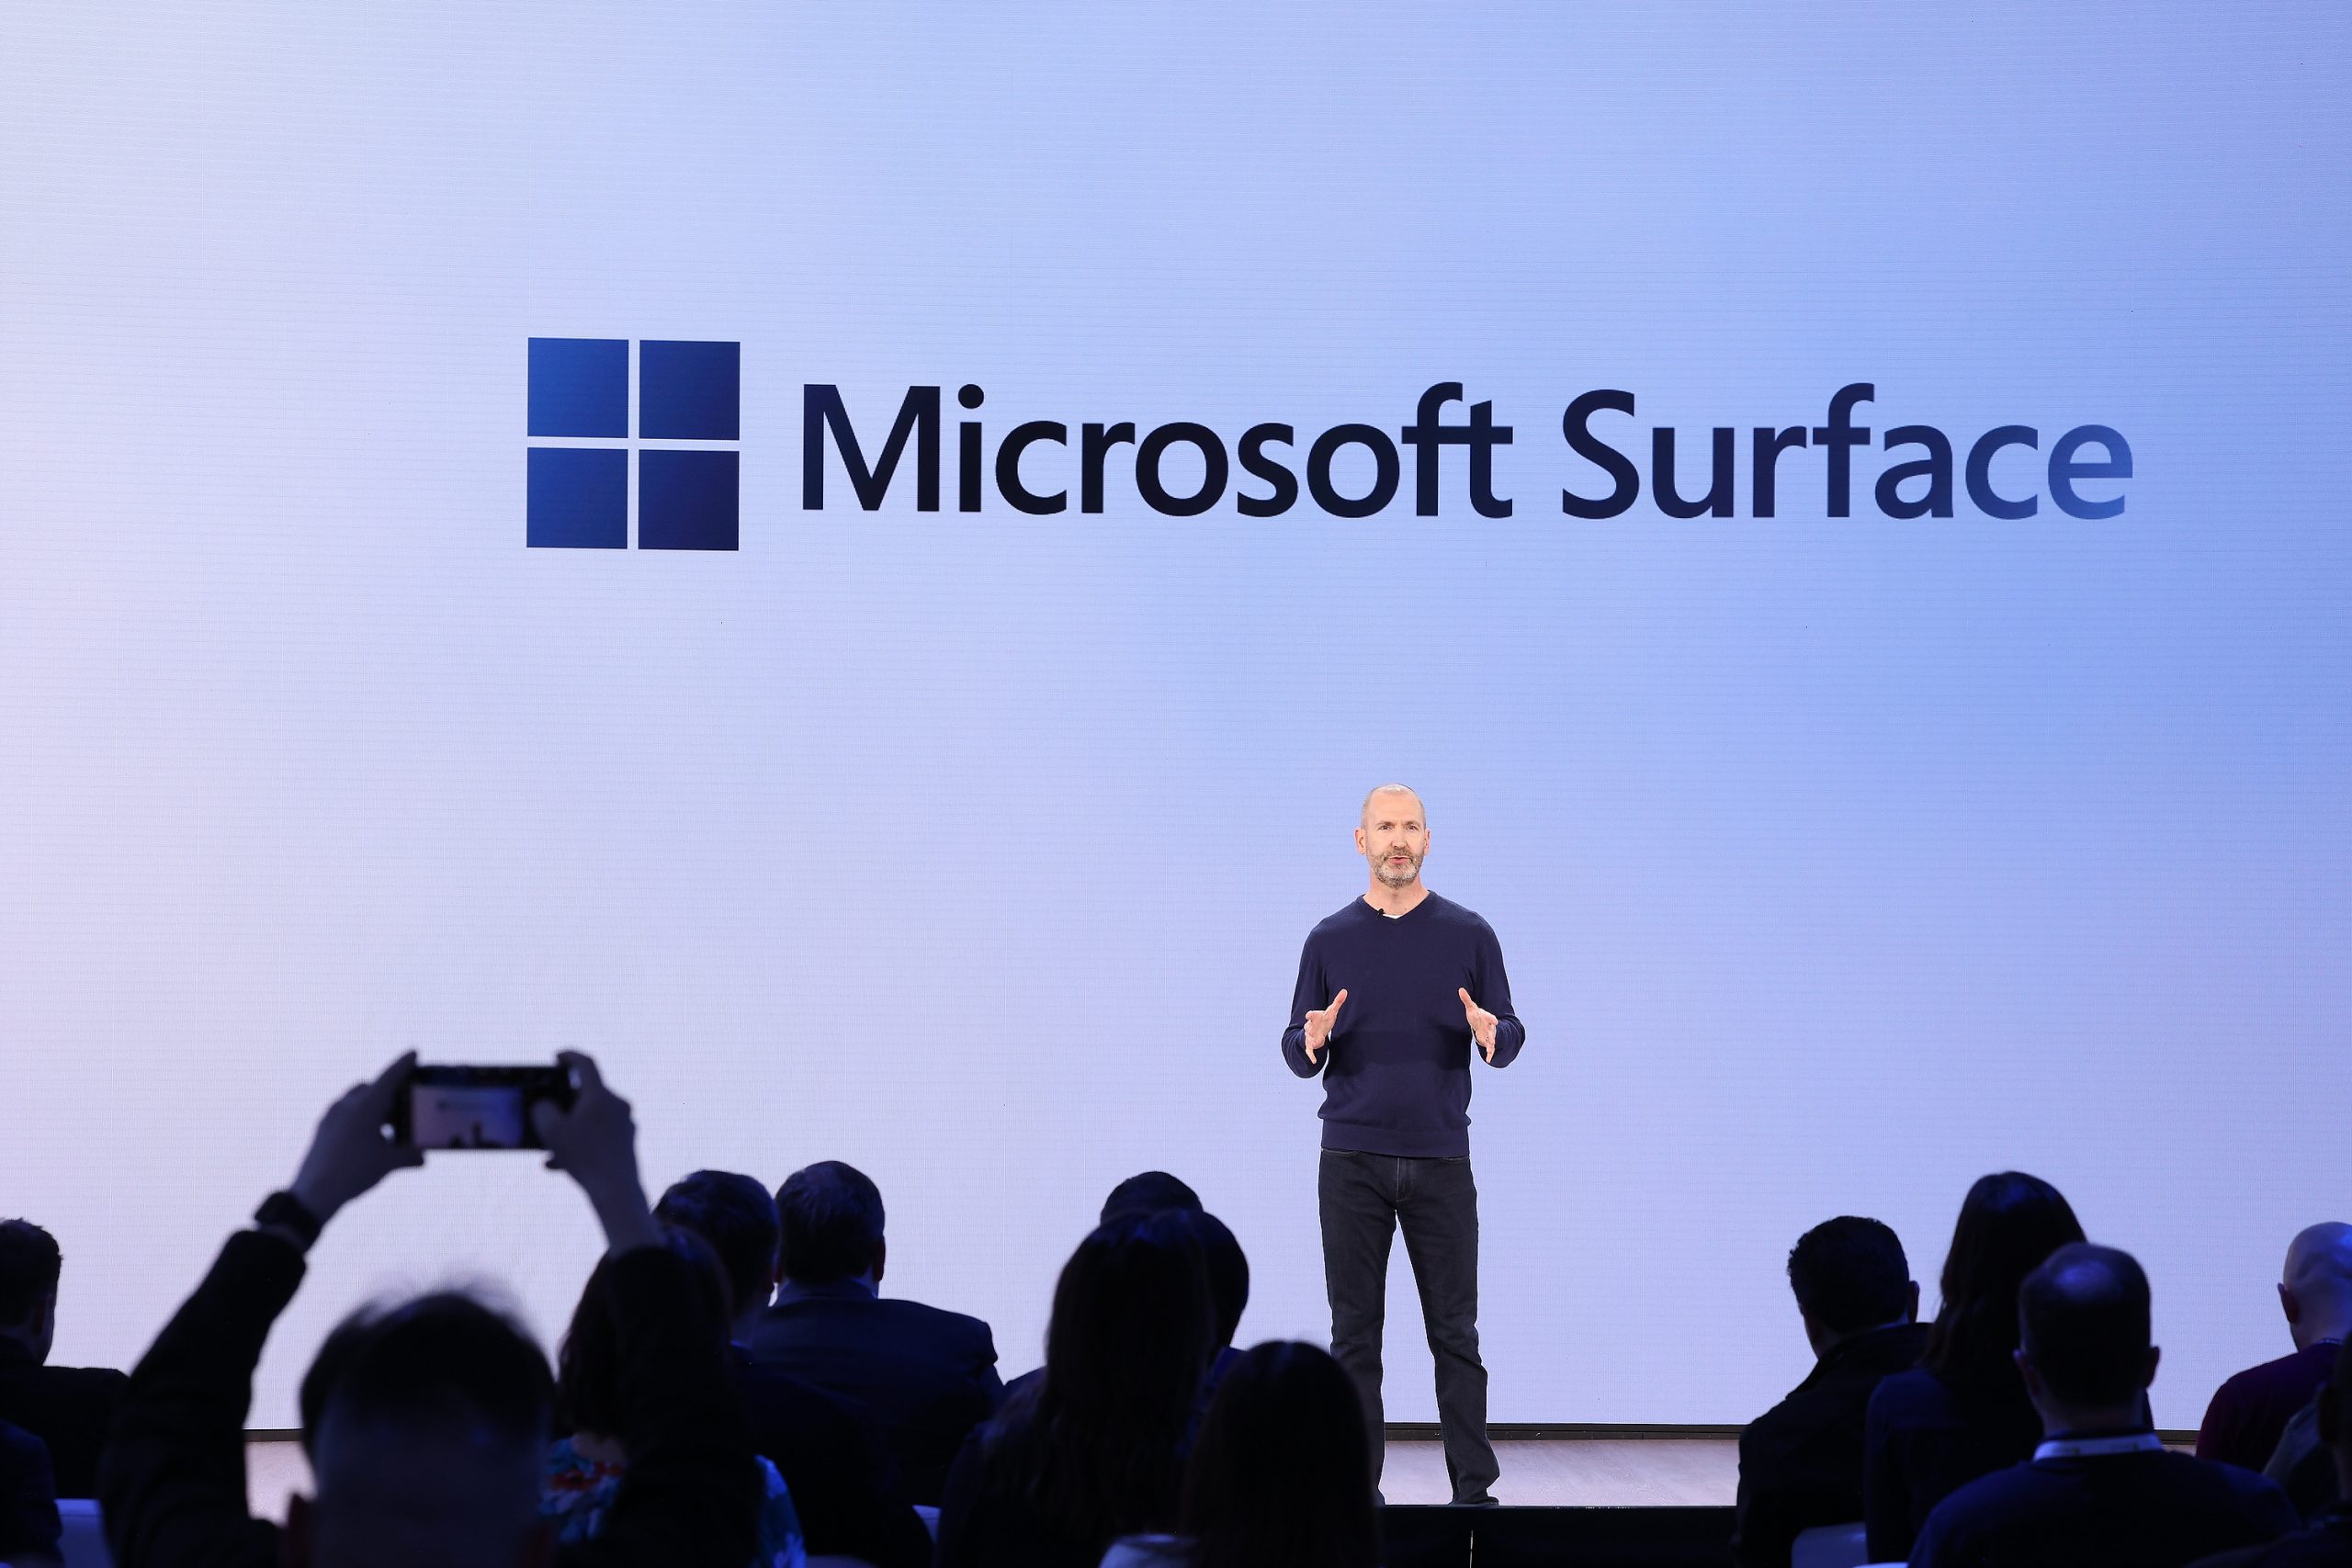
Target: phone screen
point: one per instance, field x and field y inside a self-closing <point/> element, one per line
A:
<point x="476" y="1108"/>
<point x="466" y="1116"/>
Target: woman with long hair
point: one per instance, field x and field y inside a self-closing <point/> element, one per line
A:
<point x="1282" y="1474"/>
<point x="1094" y="1448"/>
<point x="1963" y="1412"/>
<point x="587" y="1469"/>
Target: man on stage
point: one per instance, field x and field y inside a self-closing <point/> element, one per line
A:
<point x="1393" y="992"/>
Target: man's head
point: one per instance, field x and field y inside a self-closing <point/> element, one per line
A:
<point x="30" y="1266"/>
<point x="426" y="1427"/>
<point x="2315" y="1287"/>
<point x="1149" y="1192"/>
<point x="1227" y="1264"/>
<point x="737" y="1217"/>
<point x="2083" y="1339"/>
<point x="832" y="1225"/>
<point x="1393" y="834"/>
<point x="1850" y="1275"/>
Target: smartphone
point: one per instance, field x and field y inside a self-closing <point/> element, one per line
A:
<point x="476" y="1108"/>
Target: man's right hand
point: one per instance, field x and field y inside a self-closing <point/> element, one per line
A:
<point x="594" y="1142"/>
<point x="1319" y="1024"/>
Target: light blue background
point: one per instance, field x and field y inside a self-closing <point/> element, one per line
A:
<point x="1835" y="862"/>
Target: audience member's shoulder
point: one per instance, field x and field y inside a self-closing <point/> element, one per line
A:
<point x="1792" y="1413"/>
<point x="2294" y="1369"/>
<point x="937" y="1322"/>
<point x="2256" y="1494"/>
<point x="1908" y="1397"/>
<point x="2326" y="1544"/>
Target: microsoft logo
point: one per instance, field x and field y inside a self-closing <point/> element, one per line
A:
<point x="688" y="398"/>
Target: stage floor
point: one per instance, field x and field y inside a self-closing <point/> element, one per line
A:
<point x="1581" y="1472"/>
<point x="1572" y="1472"/>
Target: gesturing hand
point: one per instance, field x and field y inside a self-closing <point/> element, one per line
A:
<point x="1319" y="1024"/>
<point x="351" y="1152"/>
<point x="594" y="1142"/>
<point x="1482" y="1023"/>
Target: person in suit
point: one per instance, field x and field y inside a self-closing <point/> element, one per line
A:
<point x="842" y="1478"/>
<point x="923" y="1376"/>
<point x="2101" y="1487"/>
<point x="69" y="1409"/>
<point x="1963" y="1412"/>
<point x="2326" y="1542"/>
<point x="2250" y="1411"/>
<point x="1801" y="1461"/>
<point x="29" y="1528"/>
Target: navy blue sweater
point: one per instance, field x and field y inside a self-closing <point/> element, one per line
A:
<point x="1396" y="1068"/>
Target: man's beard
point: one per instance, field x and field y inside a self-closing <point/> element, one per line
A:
<point x="1392" y="877"/>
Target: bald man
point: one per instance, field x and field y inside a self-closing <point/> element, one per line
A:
<point x="2242" y="1424"/>
<point x="1395" y="993"/>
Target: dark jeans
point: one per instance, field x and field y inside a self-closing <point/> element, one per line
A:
<point x="1364" y="1198"/>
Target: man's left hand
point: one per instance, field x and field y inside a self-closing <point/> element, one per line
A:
<point x="1482" y="1023"/>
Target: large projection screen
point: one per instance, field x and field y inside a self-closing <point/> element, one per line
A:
<point x="1837" y="860"/>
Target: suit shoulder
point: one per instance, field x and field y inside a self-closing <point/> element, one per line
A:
<point x="1906" y="1396"/>
<point x="936" y="1320"/>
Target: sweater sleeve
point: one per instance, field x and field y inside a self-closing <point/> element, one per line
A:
<point x="1312" y="991"/>
<point x="692" y="1492"/>
<point x="1491" y="989"/>
<point x="173" y="1482"/>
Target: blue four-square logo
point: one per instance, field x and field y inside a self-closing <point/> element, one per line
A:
<point x="689" y="399"/>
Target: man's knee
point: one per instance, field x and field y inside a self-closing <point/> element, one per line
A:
<point x="1456" y="1340"/>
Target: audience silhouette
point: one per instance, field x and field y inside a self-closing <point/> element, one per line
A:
<point x="1093" y="1449"/>
<point x="588" y="1463"/>
<point x="1801" y="1461"/>
<point x="2250" y="1411"/>
<point x="69" y="1409"/>
<point x="734" y="1389"/>
<point x="923" y="1376"/>
<point x="1963" y="1411"/>
<point x="2100" y="1487"/>
<point x="427" y="1424"/>
<point x="2327" y="1542"/>
<point x="843" y="1480"/>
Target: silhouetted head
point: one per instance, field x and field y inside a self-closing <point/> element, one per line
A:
<point x="426" y="1426"/>
<point x="1850" y="1274"/>
<point x="1096" y="1441"/>
<point x="737" y="1217"/>
<point x="1149" y="1192"/>
<point x="2315" y="1286"/>
<point x="2008" y="1223"/>
<point x="1281" y="1476"/>
<point x="589" y="1365"/>
<point x="1227" y="1266"/>
<point x="30" y="1265"/>
<point x="2083" y="1337"/>
<point x="832" y="1224"/>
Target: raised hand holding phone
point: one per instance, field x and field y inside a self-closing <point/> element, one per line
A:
<point x="593" y="1141"/>
<point x="352" y="1151"/>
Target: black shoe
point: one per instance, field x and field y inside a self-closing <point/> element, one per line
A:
<point x="1483" y="1500"/>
